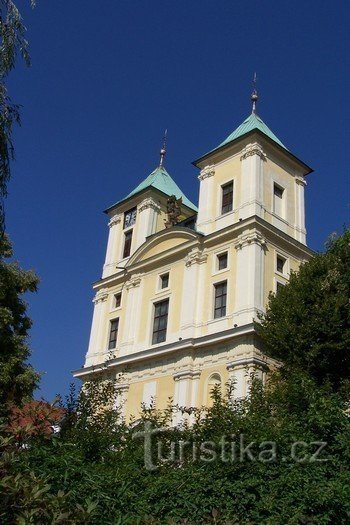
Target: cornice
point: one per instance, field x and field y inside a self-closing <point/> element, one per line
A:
<point x="161" y="351"/>
<point x="116" y="219"/>
<point x="148" y="203"/>
<point x="196" y="256"/>
<point x="253" y="149"/>
<point x="133" y="282"/>
<point x="247" y="239"/>
<point x="186" y="374"/>
<point x="100" y="296"/>
<point x="208" y="171"/>
<point x="248" y="361"/>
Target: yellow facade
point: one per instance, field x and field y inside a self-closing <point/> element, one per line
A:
<point x="242" y="253"/>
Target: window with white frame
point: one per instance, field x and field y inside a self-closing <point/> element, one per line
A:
<point x="221" y="261"/>
<point x="164" y="281"/>
<point x="281" y="264"/>
<point x="227" y="198"/>
<point x="220" y="299"/>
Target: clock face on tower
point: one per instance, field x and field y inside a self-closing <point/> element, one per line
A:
<point x="129" y="218"/>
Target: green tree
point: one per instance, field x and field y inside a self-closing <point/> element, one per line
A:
<point x="17" y="378"/>
<point x="307" y="324"/>
<point x="12" y="43"/>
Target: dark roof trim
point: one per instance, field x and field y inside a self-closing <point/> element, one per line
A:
<point x="272" y="142"/>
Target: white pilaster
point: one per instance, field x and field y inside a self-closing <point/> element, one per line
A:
<point x="300" y="184"/>
<point x="250" y="248"/>
<point x="113" y="245"/>
<point x="252" y="160"/>
<point x="185" y="393"/>
<point x="191" y="290"/>
<point x="95" y="349"/>
<point x="207" y="199"/>
<point x="133" y="303"/>
<point x="147" y="213"/>
<point x="242" y="371"/>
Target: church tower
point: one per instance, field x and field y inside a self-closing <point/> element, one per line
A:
<point x="175" y="308"/>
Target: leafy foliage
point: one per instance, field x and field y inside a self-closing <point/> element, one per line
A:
<point x="12" y="42"/>
<point x="114" y="487"/>
<point x="307" y="324"/>
<point x="17" y="378"/>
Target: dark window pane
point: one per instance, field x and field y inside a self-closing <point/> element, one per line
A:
<point x="222" y="261"/>
<point x="160" y="321"/>
<point x="279" y="287"/>
<point x="280" y="264"/>
<point x="278" y="191"/>
<point x="117" y="300"/>
<point x="227" y="198"/>
<point x="164" y="280"/>
<point x="220" y="300"/>
<point x="127" y="244"/>
<point x="113" y="334"/>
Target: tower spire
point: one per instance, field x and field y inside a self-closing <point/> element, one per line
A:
<point x="254" y="96"/>
<point x="163" y="149"/>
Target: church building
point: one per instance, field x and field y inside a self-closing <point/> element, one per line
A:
<point x="182" y="285"/>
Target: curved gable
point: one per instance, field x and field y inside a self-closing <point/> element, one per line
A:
<point x="162" y="242"/>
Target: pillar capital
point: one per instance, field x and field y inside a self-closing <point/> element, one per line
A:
<point x="253" y="149"/>
<point x="206" y="172"/>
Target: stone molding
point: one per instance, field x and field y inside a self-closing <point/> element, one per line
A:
<point x="301" y="181"/>
<point x="100" y="297"/>
<point x="196" y="257"/>
<point x="253" y="149"/>
<point x="134" y="282"/>
<point x="246" y="239"/>
<point x="115" y="220"/>
<point x="206" y="172"/>
<point x="148" y="203"/>
<point x="249" y="362"/>
<point x="186" y="374"/>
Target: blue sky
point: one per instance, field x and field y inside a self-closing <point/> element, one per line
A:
<point x="108" y="77"/>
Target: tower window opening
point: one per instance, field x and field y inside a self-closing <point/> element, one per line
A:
<point x="222" y="261"/>
<point x="227" y="197"/>
<point x="113" y="333"/>
<point x="127" y="243"/>
<point x="278" y="200"/>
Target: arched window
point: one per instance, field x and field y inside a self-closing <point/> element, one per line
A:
<point x="213" y="381"/>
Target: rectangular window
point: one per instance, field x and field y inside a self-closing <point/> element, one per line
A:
<point x="222" y="261"/>
<point x="220" y="299"/>
<point x="127" y="243"/>
<point x="280" y="264"/>
<point x="113" y="333"/>
<point x="227" y="197"/>
<point x="164" y="281"/>
<point x="279" y="287"/>
<point x="117" y="300"/>
<point x="278" y="205"/>
<point x="160" y="321"/>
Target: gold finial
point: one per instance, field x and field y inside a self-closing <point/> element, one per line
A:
<point x="163" y="149"/>
<point x="254" y="96"/>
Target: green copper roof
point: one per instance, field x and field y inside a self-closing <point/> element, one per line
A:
<point x="252" y="122"/>
<point x="161" y="180"/>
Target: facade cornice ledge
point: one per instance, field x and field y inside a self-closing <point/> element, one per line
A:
<point x="208" y="171"/>
<point x="253" y="149"/>
<point x="160" y="351"/>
